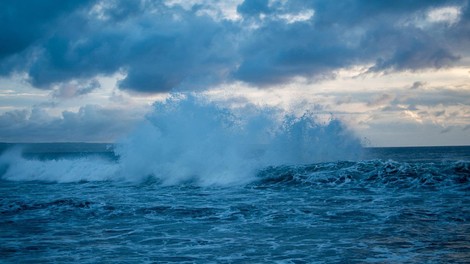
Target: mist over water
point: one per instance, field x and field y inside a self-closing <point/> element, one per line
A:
<point x="190" y="139"/>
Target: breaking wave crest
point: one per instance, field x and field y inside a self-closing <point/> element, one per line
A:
<point x="190" y="139"/>
<point x="14" y="166"/>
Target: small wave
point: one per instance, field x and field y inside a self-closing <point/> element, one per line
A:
<point x="373" y="173"/>
<point x="15" y="207"/>
<point x="179" y="212"/>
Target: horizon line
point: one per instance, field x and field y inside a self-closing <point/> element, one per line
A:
<point x="113" y="143"/>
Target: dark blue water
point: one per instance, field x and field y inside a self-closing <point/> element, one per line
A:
<point x="62" y="203"/>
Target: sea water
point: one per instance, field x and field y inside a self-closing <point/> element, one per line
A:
<point x="198" y="184"/>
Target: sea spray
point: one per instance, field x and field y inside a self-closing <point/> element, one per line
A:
<point x="14" y="166"/>
<point x="190" y="139"/>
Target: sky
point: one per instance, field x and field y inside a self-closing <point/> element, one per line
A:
<point x="397" y="73"/>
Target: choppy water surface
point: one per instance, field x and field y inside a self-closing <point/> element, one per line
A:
<point x="412" y="209"/>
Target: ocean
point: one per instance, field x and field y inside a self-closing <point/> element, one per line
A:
<point x="74" y="203"/>
<point x="199" y="183"/>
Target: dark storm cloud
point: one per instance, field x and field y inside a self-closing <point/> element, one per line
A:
<point x="24" y="22"/>
<point x="159" y="50"/>
<point x="162" y="47"/>
<point x="342" y="34"/>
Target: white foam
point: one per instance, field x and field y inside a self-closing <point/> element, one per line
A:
<point x="19" y="168"/>
<point x="189" y="139"/>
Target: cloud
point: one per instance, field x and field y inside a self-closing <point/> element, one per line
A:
<point x="439" y="113"/>
<point x="417" y="85"/>
<point x="24" y="23"/>
<point x="160" y="49"/>
<point x="90" y="123"/>
<point x="254" y="8"/>
<point x="404" y="134"/>
<point x="447" y="130"/>
<point x="449" y="15"/>
<point x="161" y="46"/>
<point x="437" y="96"/>
<point x="380" y="100"/>
<point x="414" y="53"/>
<point x="432" y="97"/>
<point x="73" y="89"/>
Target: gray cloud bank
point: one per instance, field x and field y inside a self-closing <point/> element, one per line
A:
<point x="90" y="124"/>
<point x="162" y="47"/>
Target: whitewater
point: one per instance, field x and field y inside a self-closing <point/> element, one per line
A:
<point x="199" y="183"/>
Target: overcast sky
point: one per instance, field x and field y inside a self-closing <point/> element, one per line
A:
<point x="396" y="72"/>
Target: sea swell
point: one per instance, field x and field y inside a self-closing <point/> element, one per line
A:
<point x="375" y="173"/>
<point x="374" y="211"/>
<point x="371" y="174"/>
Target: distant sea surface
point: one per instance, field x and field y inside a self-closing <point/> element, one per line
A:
<point x="62" y="203"/>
